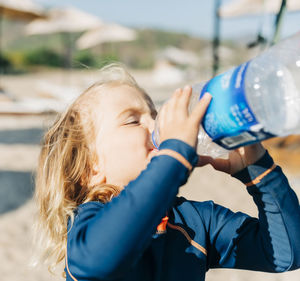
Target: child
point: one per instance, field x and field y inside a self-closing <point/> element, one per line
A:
<point x="107" y="198"/>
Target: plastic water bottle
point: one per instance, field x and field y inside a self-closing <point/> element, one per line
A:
<point x="255" y="101"/>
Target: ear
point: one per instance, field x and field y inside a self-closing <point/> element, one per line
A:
<point x="98" y="176"/>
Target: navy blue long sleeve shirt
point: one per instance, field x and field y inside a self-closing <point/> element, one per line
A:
<point x="120" y="240"/>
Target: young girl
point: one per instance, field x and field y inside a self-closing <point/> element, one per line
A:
<point x="107" y="198"/>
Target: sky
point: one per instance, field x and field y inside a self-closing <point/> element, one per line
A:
<point x="194" y="17"/>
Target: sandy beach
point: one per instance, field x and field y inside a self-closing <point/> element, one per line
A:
<point x="19" y="147"/>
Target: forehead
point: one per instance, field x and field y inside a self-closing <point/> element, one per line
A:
<point x="118" y="98"/>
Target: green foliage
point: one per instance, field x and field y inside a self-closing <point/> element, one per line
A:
<point x="16" y="58"/>
<point x="50" y="50"/>
<point x="5" y="64"/>
<point x="43" y="56"/>
<point x="157" y="39"/>
<point x="84" y="59"/>
<point x="107" y="59"/>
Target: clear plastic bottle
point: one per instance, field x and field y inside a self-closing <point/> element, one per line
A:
<point x="252" y="102"/>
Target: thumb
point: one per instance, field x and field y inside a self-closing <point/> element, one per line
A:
<point x="218" y="164"/>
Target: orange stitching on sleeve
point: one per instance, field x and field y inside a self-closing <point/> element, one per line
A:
<point x="161" y="228"/>
<point x="67" y="266"/>
<point x="177" y="156"/>
<point x="192" y="242"/>
<point x="260" y="177"/>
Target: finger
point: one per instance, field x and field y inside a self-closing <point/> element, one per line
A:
<point x="203" y="160"/>
<point x="222" y="165"/>
<point x="257" y="147"/>
<point x="172" y="102"/>
<point x="254" y="152"/>
<point x="177" y="94"/>
<point x="185" y="98"/>
<point x="237" y="160"/>
<point x="162" y="116"/>
<point x="218" y="164"/>
<point x="200" y="108"/>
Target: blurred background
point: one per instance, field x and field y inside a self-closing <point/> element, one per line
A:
<point x="50" y="51"/>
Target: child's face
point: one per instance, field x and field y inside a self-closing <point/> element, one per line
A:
<point x="124" y="130"/>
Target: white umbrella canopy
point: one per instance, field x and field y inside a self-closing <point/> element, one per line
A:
<point x="179" y="56"/>
<point x="238" y="8"/>
<point x="66" y="20"/>
<point x="105" y="33"/>
<point x="20" y="9"/>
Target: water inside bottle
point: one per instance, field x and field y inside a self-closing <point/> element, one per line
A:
<point x="274" y="97"/>
<point x="207" y="147"/>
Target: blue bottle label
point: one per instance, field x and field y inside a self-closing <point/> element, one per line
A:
<point x="229" y="120"/>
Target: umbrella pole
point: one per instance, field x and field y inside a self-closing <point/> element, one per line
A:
<point x="1" y="33"/>
<point x="216" y="40"/>
<point x="67" y="49"/>
<point x="66" y="40"/>
<point x="278" y="22"/>
<point x="1" y="22"/>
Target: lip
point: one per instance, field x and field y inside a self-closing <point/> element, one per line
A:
<point x="153" y="152"/>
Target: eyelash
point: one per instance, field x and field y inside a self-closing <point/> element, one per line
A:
<point x="132" y="122"/>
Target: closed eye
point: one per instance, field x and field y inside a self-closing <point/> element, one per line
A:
<point x="132" y="121"/>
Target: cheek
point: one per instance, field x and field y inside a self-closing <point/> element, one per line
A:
<point x="125" y="156"/>
<point x="130" y="147"/>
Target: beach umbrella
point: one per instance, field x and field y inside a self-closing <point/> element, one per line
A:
<point x="109" y="32"/>
<point x="64" y="21"/>
<point x="238" y="8"/>
<point x="20" y="9"/>
<point x="178" y="56"/>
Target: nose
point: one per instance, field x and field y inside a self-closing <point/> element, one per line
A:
<point x="151" y="125"/>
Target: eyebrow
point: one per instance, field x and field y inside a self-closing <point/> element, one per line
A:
<point x="130" y="111"/>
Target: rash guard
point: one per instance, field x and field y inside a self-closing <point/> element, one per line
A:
<point x="127" y="239"/>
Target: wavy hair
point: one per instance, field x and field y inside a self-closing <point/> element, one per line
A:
<point x="65" y="165"/>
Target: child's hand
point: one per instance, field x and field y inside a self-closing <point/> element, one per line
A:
<point x="238" y="159"/>
<point x="176" y="122"/>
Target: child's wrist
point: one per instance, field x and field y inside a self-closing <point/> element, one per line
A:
<point x="182" y="148"/>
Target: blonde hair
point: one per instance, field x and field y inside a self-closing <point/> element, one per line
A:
<point x="65" y="164"/>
